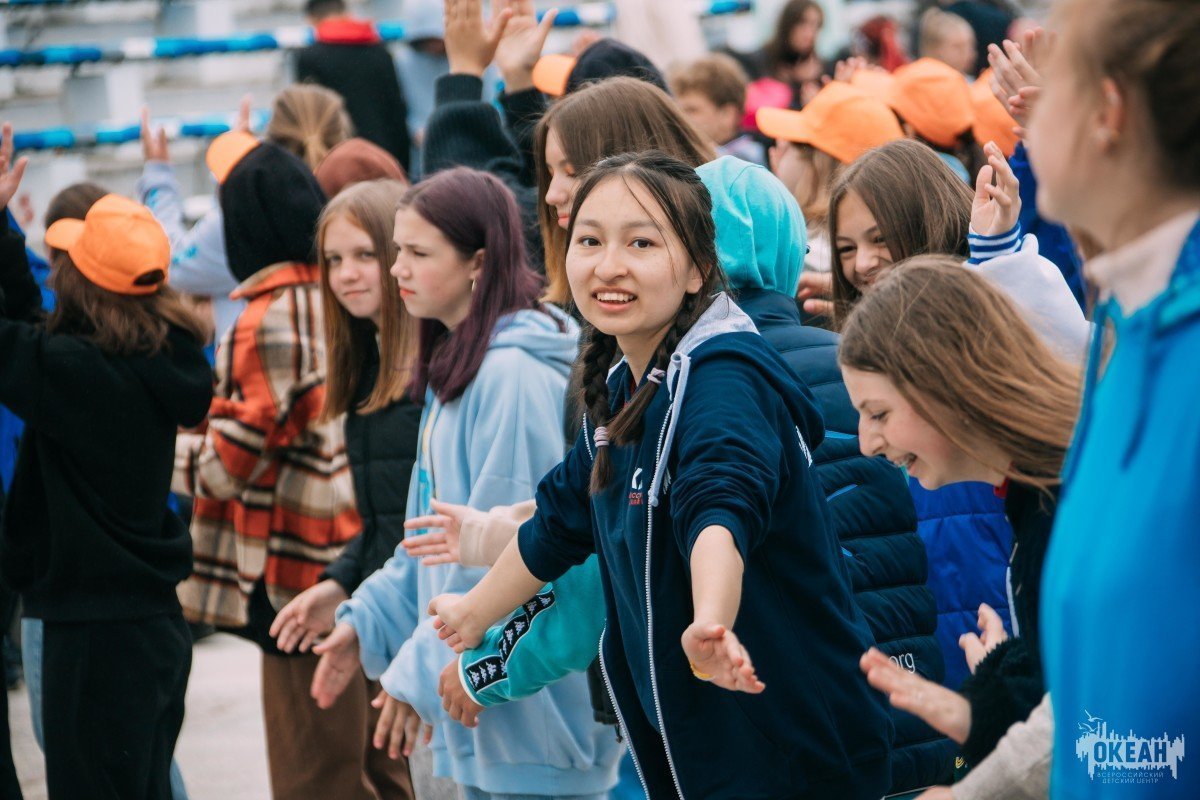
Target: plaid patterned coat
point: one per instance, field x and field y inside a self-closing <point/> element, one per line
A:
<point x="274" y="498"/>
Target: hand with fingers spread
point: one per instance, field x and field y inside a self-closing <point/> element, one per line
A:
<point x="440" y="545"/>
<point x="454" y="622"/>
<point x="470" y="44"/>
<point x="522" y="43"/>
<point x="1016" y="82"/>
<point x="997" y="204"/>
<point x="154" y="141"/>
<point x="816" y="290"/>
<point x="10" y="173"/>
<point x="944" y="710"/>
<point x="717" y="656"/>
<point x="455" y="698"/>
<point x="399" y="727"/>
<point x="991" y="634"/>
<point x="307" y="616"/>
<point x="338" y="664"/>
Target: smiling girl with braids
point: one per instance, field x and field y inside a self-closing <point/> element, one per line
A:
<point x="691" y="482"/>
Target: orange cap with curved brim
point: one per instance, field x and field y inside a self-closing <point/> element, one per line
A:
<point x="993" y="123"/>
<point x="875" y="82"/>
<point x="119" y="246"/>
<point x="840" y="120"/>
<point x="934" y="98"/>
<point x="226" y="151"/>
<point x="551" y="72"/>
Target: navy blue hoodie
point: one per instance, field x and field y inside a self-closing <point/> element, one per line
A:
<point x="728" y="442"/>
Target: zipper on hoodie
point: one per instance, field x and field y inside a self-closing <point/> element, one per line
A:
<point x="662" y="725"/>
<point x="620" y="718"/>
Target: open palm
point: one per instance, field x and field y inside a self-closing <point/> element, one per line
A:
<point x="10" y="174"/>
<point x="521" y="45"/>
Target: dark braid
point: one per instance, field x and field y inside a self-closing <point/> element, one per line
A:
<point x="597" y="360"/>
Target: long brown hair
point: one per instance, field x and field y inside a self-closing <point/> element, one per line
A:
<point x="370" y="206"/>
<point x="920" y="205"/>
<point x="778" y="50"/>
<point x="118" y="324"/>
<point x="308" y="121"/>
<point x="617" y="115"/>
<point x="950" y="341"/>
<point x="687" y="207"/>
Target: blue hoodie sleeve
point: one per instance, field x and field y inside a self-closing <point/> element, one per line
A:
<point x="729" y="454"/>
<point x="513" y="439"/>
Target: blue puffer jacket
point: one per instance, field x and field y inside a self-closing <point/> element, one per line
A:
<point x="968" y="541"/>
<point x="875" y="521"/>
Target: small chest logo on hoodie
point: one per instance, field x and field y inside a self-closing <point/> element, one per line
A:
<point x="637" y="497"/>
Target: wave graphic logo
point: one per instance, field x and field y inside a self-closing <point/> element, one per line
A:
<point x="1116" y="758"/>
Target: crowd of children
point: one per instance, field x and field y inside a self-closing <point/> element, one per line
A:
<point x="751" y="427"/>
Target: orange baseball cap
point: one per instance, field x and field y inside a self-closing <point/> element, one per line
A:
<point x="551" y="72"/>
<point x="993" y="123"/>
<point x="840" y="120"/>
<point x="934" y="98"/>
<point x="119" y="246"/>
<point x="875" y="82"/>
<point x="227" y="150"/>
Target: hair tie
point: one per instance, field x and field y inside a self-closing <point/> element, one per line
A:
<point x="600" y="437"/>
<point x="656" y="375"/>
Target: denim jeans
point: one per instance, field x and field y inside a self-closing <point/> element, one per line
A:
<point x="32" y="634"/>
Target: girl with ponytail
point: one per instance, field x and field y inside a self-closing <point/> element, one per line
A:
<point x="691" y="484"/>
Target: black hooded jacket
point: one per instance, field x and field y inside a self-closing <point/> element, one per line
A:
<point x="87" y="533"/>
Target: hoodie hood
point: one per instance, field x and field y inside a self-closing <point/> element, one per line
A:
<point x="761" y="233"/>
<point x="179" y="378"/>
<point x="547" y="334"/>
<point x="270" y="202"/>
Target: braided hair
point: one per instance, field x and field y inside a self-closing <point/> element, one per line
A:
<point x="686" y="205"/>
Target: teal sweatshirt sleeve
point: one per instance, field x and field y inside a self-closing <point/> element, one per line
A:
<point x="553" y="635"/>
<point x="511" y="432"/>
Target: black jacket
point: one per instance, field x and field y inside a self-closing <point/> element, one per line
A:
<point x="1007" y="684"/>
<point x="873" y="515"/>
<point x="382" y="448"/>
<point x="464" y="131"/>
<point x="87" y="533"/>
<point x="364" y="74"/>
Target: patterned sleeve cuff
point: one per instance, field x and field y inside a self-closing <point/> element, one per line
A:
<point x="984" y="248"/>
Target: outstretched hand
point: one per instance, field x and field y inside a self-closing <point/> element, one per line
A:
<point x="338" y="664"/>
<point x="307" y="616"/>
<point x="456" y="700"/>
<point x="453" y="622"/>
<point x="399" y="727"/>
<point x="154" y="140"/>
<point x="944" y="710"/>
<point x="10" y="174"/>
<point x="470" y="44"/>
<point x="997" y="204"/>
<point x="991" y="634"/>
<point x="522" y="43"/>
<point x="441" y="544"/>
<point x="1016" y="77"/>
<point x="717" y="656"/>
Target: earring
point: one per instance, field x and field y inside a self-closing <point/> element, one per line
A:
<point x="472" y="284"/>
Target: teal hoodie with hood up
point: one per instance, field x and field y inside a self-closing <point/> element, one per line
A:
<point x="489" y="447"/>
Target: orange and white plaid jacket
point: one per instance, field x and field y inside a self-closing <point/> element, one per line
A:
<point x="274" y="497"/>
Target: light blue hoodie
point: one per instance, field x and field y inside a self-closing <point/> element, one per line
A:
<point x="489" y="447"/>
